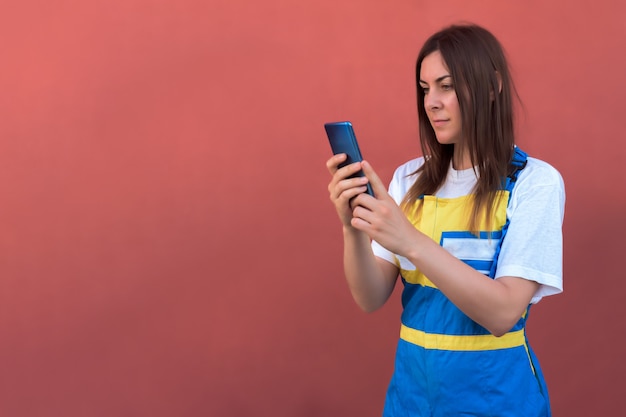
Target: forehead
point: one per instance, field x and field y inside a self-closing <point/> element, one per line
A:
<point x="433" y="67"/>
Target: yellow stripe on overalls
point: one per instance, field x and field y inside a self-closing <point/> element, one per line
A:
<point x="462" y="343"/>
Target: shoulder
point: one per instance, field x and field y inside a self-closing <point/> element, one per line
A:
<point x="408" y="168"/>
<point x="539" y="186"/>
<point x="403" y="178"/>
<point x="538" y="172"/>
<point x="539" y="177"/>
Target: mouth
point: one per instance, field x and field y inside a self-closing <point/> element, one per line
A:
<point x="439" y="122"/>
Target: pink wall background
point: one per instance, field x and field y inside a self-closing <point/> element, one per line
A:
<point x="167" y="247"/>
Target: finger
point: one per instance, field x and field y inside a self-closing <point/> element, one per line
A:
<point x="344" y="177"/>
<point x="359" y="224"/>
<point x="355" y="186"/>
<point x="363" y="199"/>
<point x="333" y="163"/>
<point x="362" y="225"/>
<point x="377" y="185"/>
<point x="360" y="211"/>
<point x="352" y="194"/>
<point x="345" y="172"/>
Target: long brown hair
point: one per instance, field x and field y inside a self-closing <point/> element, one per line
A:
<point x="485" y="91"/>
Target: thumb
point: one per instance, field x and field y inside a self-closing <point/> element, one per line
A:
<point x="378" y="187"/>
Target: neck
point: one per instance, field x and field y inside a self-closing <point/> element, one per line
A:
<point x="461" y="159"/>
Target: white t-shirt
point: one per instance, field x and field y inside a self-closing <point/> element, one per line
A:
<point x="533" y="246"/>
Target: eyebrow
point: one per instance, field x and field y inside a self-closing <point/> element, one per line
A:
<point x="443" y="77"/>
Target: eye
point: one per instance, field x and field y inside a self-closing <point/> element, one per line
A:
<point x="424" y="89"/>
<point x="447" y="87"/>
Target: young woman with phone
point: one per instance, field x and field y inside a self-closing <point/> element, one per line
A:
<point x="473" y="230"/>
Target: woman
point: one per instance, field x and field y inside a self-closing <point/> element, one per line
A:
<point x="474" y="231"/>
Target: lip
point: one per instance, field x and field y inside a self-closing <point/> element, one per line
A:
<point x="439" y="122"/>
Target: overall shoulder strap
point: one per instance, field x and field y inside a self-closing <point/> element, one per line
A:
<point x="518" y="163"/>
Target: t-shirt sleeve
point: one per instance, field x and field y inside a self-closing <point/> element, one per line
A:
<point x="383" y="253"/>
<point x="533" y="246"/>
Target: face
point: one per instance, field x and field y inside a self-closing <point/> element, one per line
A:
<point x="440" y="100"/>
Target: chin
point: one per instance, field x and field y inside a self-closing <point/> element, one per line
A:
<point x="446" y="141"/>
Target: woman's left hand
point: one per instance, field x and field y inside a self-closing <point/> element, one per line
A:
<point x="382" y="219"/>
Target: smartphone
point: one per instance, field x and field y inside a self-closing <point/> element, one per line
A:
<point x="343" y="140"/>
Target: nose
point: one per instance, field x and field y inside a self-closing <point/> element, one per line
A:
<point x="432" y="101"/>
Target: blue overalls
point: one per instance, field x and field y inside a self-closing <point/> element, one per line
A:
<point x="447" y="364"/>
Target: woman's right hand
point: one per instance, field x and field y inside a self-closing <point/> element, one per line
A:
<point x="342" y="189"/>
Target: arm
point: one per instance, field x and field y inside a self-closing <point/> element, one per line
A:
<point x="371" y="280"/>
<point x="495" y="304"/>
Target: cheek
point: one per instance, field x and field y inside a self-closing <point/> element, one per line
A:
<point x="455" y="108"/>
